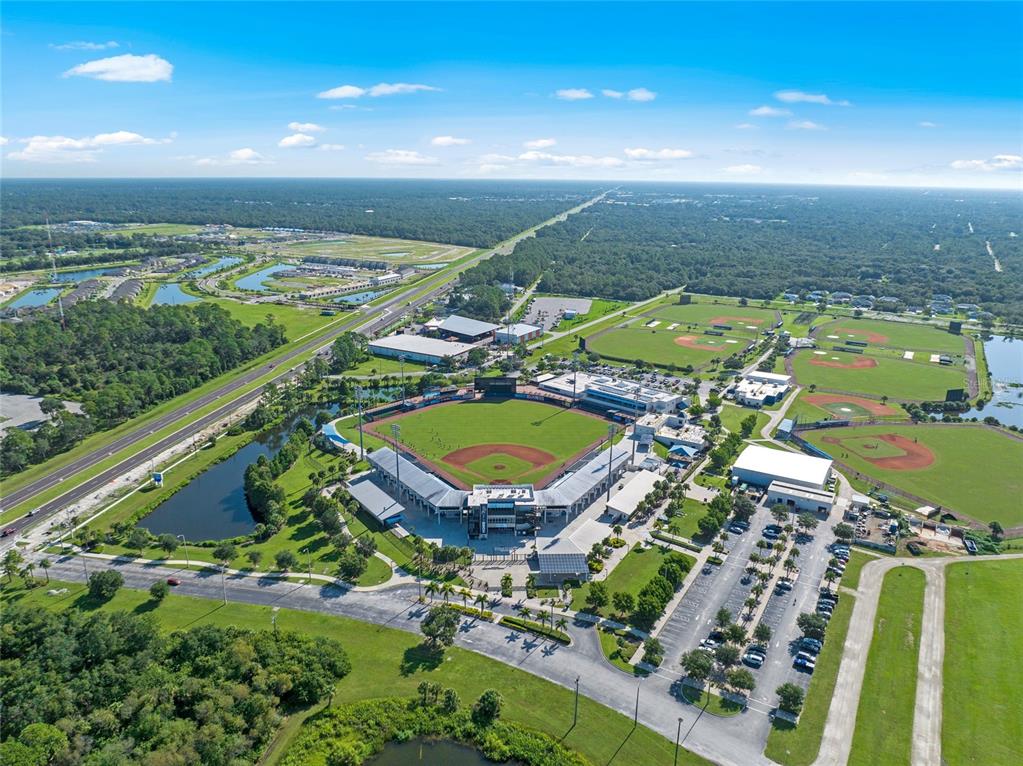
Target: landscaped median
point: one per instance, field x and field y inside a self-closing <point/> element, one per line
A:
<point x="537" y="629"/>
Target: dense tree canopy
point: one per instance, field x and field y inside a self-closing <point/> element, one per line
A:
<point x="109" y="688"/>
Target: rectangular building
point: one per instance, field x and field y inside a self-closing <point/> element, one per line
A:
<point x="467" y="330"/>
<point x="800" y="498"/>
<point x="612" y="393"/>
<point x="760" y="466"/>
<point x="759" y="389"/>
<point x="518" y="333"/>
<point x="636" y="487"/>
<point x="416" y="348"/>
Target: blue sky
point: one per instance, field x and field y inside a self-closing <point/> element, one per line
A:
<point x="846" y="93"/>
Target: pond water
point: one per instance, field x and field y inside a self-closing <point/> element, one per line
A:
<point x="1005" y="361"/>
<point x="81" y="276"/>
<point x="39" y="297"/>
<point x="430" y="752"/>
<point x="213" y="506"/>
<point x="255" y="281"/>
<point x="357" y="299"/>
<point x="171" y="294"/>
<point x="209" y="268"/>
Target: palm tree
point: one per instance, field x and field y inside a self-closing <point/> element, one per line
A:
<point x="431" y="588"/>
<point x="751" y="604"/>
<point x="561" y="624"/>
<point x="525" y="613"/>
<point x="830" y="576"/>
<point x="758" y="590"/>
<point x="617" y="529"/>
<point x="480" y="601"/>
<point x="446" y="590"/>
<point x="464" y="593"/>
<point x="45" y="565"/>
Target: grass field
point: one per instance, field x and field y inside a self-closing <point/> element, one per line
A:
<point x="658" y="345"/>
<point x="296" y="321"/>
<point x="889" y="376"/>
<point x="849" y="409"/>
<point x="745" y="321"/>
<point x="976" y="470"/>
<point x="798" y="745"/>
<point x="732" y="415"/>
<point x="982" y="724"/>
<point x="397" y="251"/>
<point x="632" y="573"/>
<point x="857" y="560"/>
<point x="901" y="335"/>
<point x="382" y="365"/>
<point x="386" y="663"/>
<point x="884" y="720"/>
<point x="500" y="431"/>
<point x="688" y="525"/>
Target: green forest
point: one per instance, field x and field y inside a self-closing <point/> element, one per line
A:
<point x="109" y="688"/>
<point x="117" y="360"/>
<point x="757" y="242"/>
<point x="23" y="249"/>
<point x="473" y="214"/>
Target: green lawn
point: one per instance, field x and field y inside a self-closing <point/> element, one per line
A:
<point x="901" y="335"/>
<point x="396" y="251"/>
<point x="700" y="316"/>
<point x="386" y="664"/>
<point x="381" y="365"/>
<point x="688" y="525"/>
<point x="916" y="380"/>
<point x="732" y="415"/>
<point x="658" y="345"/>
<point x="434" y="432"/>
<point x="884" y="720"/>
<point x="165" y="229"/>
<point x="976" y="470"/>
<point x="982" y="724"/>
<point x="619" y="656"/>
<point x="599" y="307"/>
<point x="848" y="410"/>
<point x="798" y="745"/>
<point x="296" y="321"/>
<point x="711" y="703"/>
<point x="851" y="575"/>
<point x="632" y="573"/>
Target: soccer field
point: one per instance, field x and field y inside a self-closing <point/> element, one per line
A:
<point x="878" y="375"/>
<point x="970" y="469"/>
<point x="512" y="441"/>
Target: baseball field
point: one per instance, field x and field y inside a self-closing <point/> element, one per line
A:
<point x="972" y="470"/>
<point x="664" y="345"/>
<point x="915" y="379"/>
<point x="511" y="441"/>
<point x="742" y="320"/>
<point x="821" y="406"/>
<point x="901" y="335"/>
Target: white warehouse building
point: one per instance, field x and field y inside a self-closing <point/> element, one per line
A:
<point x="416" y="348"/>
<point x="760" y="466"/>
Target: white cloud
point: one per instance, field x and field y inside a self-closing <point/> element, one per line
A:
<point x="640" y="153"/>
<point x="540" y="143"/>
<point x="374" y="91"/>
<point x="82" y="45"/>
<point x="640" y="94"/>
<point x="573" y="94"/>
<point x="64" y="149"/>
<point x="305" y="127"/>
<point x="571" y="160"/>
<point x="769" y="111"/>
<point x="612" y="93"/>
<point x="401" y="157"/>
<point x="743" y="170"/>
<point x="927" y="124"/>
<point x="800" y="97"/>
<point x="449" y="141"/>
<point x="245" y="156"/>
<point x="296" y="141"/>
<point x="331" y="147"/>
<point x="998" y="162"/>
<point x="805" y="125"/>
<point x="3" y="141"/>
<point x="125" y="68"/>
<point x="746" y="126"/>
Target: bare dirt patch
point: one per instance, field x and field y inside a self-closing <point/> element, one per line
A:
<point x="916" y="455"/>
<point x="460" y="458"/>
<point x="862" y="363"/>
<point x="690" y="341"/>
<point x="730" y="319"/>
<point x="870" y="405"/>
<point x="870" y="337"/>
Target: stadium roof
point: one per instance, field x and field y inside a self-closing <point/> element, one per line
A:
<point x="377" y="502"/>
<point x="789" y="467"/>
<point x="637" y="486"/>
<point x="423" y="483"/>
<point x="466" y="326"/>
<point x="417" y="344"/>
<point x="572" y="486"/>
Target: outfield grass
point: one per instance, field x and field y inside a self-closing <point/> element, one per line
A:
<point x="982" y="724"/>
<point x="798" y="745"/>
<point x="901" y="335"/>
<point x="434" y="432"/>
<point x="884" y="720"/>
<point x="386" y="663"/>
<point x="632" y="573"/>
<point x="807" y="412"/>
<point x="657" y="345"/>
<point x="976" y="470"/>
<point x="896" y="378"/>
<point x="701" y="316"/>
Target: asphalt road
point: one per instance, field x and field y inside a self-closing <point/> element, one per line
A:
<point x="367" y="322"/>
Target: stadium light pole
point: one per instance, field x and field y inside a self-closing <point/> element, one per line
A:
<point x="401" y="363"/>
<point x="396" y="433"/>
<point x="358" y="397"/>
<point x="610" y="457"/>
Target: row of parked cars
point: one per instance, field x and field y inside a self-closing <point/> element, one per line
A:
<point x="827" y="601"/>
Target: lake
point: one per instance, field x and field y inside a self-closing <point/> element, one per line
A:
<point x="213" y="506"/>
<point x="430" y="752"/>
<point x="357" y="299"/>
<point x="81" y="276"/>
<point x="39" y="297"/>
<point x="209" y="268"/>
<point x="255" y="281"/>
<point x="1005" y="361"/>
<point x="171" y="294"/>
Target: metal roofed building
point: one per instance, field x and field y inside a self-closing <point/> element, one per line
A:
<point x="614" y="393"/>
<point x="416" y="348"/>
<point x="560" y="559"/>
<point x="418" y="488"/>
<point x="518" y="333"/>
<point x="623" y="503"/>
<point x="761" y="466"/>
<point x="578" y="489"/>
<point x="800" y="498"/>
<point x="376" y="502"/>
<point x="466" y="329"/>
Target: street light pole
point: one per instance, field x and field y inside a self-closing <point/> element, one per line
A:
<point x="610" y="457"/>
<point x="575" y="718"/>
<point x="184" y="544"/>
<point x="678" y="735"/>
<point x="223" y="580"/>
<point x="635" y="720"/>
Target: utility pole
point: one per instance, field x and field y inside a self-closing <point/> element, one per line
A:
<point x="610" y="457"/>
<point x="635" y="720"/>
<point x="575" y="718"/>
<point x="678" y="735"/>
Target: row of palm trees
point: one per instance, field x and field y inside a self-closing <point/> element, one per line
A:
<point x="15" y="564"/>
<point x="446" y="590"/>
<point x="543" y="616"/>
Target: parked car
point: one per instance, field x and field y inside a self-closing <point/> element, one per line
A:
<point x="811" y="645"/>
<point x="784" y="585"/>
<point x="753" y="660"/>
<point x="735" y="529"/>
<point x="173" y="581"/>
<point x="801" y="663"/>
